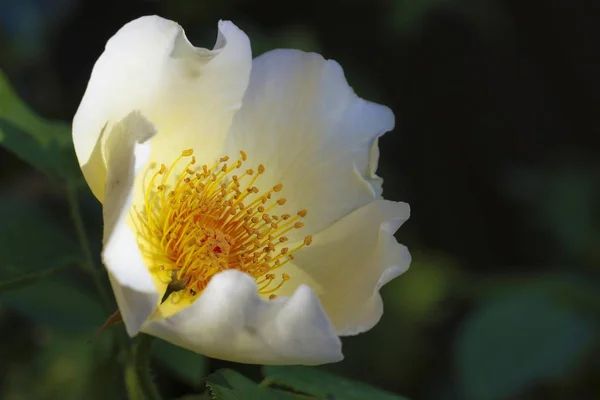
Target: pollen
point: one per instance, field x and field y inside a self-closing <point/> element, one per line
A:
<point x="197" y="221"/>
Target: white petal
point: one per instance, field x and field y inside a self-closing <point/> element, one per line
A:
<point x="313" y="133"/>
<point x="190" y="94"/>
<point x="348" y="263"/>
<point x="232" y="322"/>
<point x="127" y="151"/>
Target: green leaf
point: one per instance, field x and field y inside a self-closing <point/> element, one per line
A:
<point x="57" y="303"/>
<point x="408" y="14"/>
<point x="324" y="385"/>
<point x="34" y="245"/>
<point x="186" y="365"/>
<point x="32" y="240"/>
<point x="44" y="144"/>
<point x="29" y="279"/>
<point x="292" y="37"/>
<point x="203" y="396"/>
<point x="226" y="384"/>
<point x="516" y="339"/>
<point x="420" y="295"/>
<point x="65" y="366"/>
<point x="562" y="202"/>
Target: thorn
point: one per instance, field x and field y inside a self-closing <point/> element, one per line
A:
<point x="114" y="319"/>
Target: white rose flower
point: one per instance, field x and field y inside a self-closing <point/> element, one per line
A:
<point x="243" y="216"/>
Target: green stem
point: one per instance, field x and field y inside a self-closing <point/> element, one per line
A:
<point x="27" y="279"/>
<point x="132" y="383"/>
<point x="137" y="379"/>
<point x="142" y="355"/>
<point x="94" y="273"/>
<point x="88" y="264"/>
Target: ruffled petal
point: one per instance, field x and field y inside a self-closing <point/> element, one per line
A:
<point x="349" y="262"/>
<point x="303" y="121"/>
<point x="232" y="322"/>
<point x="189" y="94"/>
<point x="127" y="151"/>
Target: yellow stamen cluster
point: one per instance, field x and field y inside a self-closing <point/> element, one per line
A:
<point x="208" y="219"/>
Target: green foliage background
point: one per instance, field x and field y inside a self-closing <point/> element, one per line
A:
<point x="496" y="150"/>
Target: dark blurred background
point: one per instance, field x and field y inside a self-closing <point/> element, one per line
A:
<point x="496" y="148"/>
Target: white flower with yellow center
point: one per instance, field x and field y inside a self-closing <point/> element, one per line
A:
<point x="243" y="217"/>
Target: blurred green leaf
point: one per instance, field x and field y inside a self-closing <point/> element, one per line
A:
<point x="15" y="111"/>
<point x="286" y="37"/>
<point x="32" y="240"/>
<point x="517" y="339"/>
<point x="562" y="202"/>
<point x="57" y="303"/>
<point x="44" y="144"/>
<point x="203" y="396"/>
<point x="34" y="244"/>
<point x="409" y="14"/>
<point x="186" y="365"/>
<point x="64" y="367"/>
<point x="29" y="279"/>
<point x="227" y="384"/>
<point x="423" y="289"/>
<point x="323" y="384"/>
<point x="570" y="290"/>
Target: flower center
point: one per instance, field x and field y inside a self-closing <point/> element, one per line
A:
<point x="199" y="220"/>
